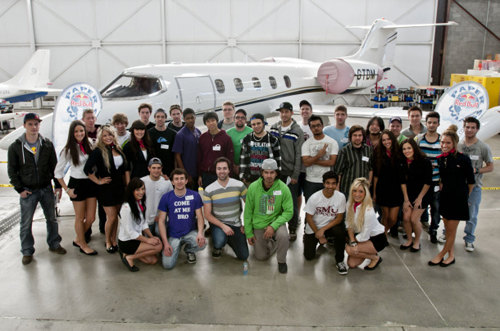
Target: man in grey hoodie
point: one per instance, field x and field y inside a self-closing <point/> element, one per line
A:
<point x="31" y="163"/>
<point x="291" y="138"/>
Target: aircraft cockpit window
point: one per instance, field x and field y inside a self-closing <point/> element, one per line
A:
<point x="126" y="86"/>
<point x="238" y="84"/>
<point x="273" y="83"/>
<point x="256" y="83"/>
<point x="219" y="84"/>
<point x="288" y="82"/>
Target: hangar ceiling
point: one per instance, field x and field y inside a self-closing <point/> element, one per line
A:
<point x="94" y="40"/>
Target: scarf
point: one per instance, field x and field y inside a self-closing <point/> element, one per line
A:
<point x="448" y="153"/>
<point x="141" y="143"/>
<point x="355" y="205"/>
<point x="140" y="205"/>
<point x="81" y="148"/>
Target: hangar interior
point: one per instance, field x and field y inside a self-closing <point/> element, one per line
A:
<point x="93" y="41"/>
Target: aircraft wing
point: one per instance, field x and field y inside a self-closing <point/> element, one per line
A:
<point x="360" y="112"/>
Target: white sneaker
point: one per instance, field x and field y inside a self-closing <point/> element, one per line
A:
<point x="191" y="257"/>
<point x="441" y="239"/>
<point x="342" y="268"/>
<point x="469" y="247"/>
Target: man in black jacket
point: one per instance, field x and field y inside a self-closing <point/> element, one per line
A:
<point x="31" y="163"/>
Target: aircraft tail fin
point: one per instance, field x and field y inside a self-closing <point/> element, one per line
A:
<point x="379" y="44"/>
<point x="35" y="73"/>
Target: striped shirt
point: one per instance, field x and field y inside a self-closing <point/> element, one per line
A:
<point x="226" y="205"/>
<point x="431" y="150"/>
<point x="353" y="163"/>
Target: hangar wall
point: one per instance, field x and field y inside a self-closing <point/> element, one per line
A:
<point x="470" y="40"/>
<point x="94" y="40"/>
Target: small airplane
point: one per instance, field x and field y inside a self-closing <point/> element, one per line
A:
<point x="257" y="87"/>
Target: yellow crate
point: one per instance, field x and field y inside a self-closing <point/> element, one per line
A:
<point x="492" y="85"/>
<point x="458" y="78"/>
<point x="395" y="98"/>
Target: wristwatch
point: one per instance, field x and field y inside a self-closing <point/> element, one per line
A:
<point x="353" y="243"/>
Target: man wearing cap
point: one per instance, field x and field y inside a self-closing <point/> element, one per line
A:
<point x="228" y="112"/>
<point x="340" y="131"/>
<point x="31" y="163"/>
<point x="268" y="207"/>
<point x="416" y="126"/>
<point x="156" y="186"/>
<point x="145" y="110"/>
<point x="176" y="113"/>
<point x="163" y="140"/>
<point x="291" y="139"/>
<point x="306" y="111"/>
<point x="257" y="147"/>
<point x="429" y="143"/>
<point x="237" y="134"/>
<point x="395" y="125"/>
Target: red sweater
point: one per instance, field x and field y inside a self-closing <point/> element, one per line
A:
<point x="211" y="148"/>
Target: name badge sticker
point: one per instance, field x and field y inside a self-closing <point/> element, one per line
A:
<point x="189" y="197"/>
<point x="365" y="158"/>
<point x="277" y="192"/>
<point x="474" y="157"/>
<point x="163" y="146"/>
<point x="216" y="148"/>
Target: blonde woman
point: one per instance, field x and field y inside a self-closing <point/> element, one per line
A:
<point x="110" y="165"/>
<point x="366" y="234"/>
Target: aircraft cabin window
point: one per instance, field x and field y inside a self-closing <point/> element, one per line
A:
<point x="288" y="82"/>
<point x="238" y="84"/>
<point x="256" y="83"/>
<point x="219" y="84"/>
<point x="126" y="86"/>
<point x="273" y="83"/>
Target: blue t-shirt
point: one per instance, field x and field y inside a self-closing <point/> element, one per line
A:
<point x="340" y="136"/>
<point x="186" y="143"/>
<point x="181" y="212"/>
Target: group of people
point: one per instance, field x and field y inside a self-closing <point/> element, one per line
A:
<point x="145" y="182"/>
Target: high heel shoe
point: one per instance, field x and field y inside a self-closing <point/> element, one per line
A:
<point x="376" y="265"/>
<point x="442" y="264"/>
<point x="91" y="253"/>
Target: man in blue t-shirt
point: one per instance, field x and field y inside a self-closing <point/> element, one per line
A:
<point x="185" y="221"/>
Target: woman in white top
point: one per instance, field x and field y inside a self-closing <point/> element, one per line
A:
<point x="133" y="226"/>
<point x="80" y="188"/>
<point x="366" y="234"/>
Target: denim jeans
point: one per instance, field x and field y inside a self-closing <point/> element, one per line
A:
<point x="470" y="226"/>
<point x="176" y="243"/>
<point x="207" y="179"/>
<point x="294" y="189"/>
<point x="435" y="216"/>
<point x="310" y="188"/>
<point x="28" y="206"/>
<point x="338" y="232"/>
<point x="238" y="241"/>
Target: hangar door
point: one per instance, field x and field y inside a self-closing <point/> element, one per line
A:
<point x="196" y="92"/>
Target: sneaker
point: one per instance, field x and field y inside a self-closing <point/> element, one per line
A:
<point x="293" y="235"/>
<point x="469" y="247"/>
<point x="191" y="257"/>
<point x="27" y="259"/>
<point x="330" y="241"/>
<point x="58" y="250"/>
<point x="342" y="268"/>
<point x="216" y="253"/>
<point x="441" y="239"/>
<point x="283" y="268"/>
<point x="433" y="238"/>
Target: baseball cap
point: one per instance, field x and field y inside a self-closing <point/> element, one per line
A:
<point x="258" y="116"/>
<point x="395" y="118"/>
<point x="269" y="164"/>
<point x="154" y="160"/>
<point x="31" y="116"/>
<point x="305" y="102"/>
<point x="285" y="105"/>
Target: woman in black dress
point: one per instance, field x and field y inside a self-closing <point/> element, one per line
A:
<point x="457" y="181"/>
<point x="138" y="151"/>
<point x="110" y="164"/>
<point x="386" y="182"/>
<point x="416" y="179"/>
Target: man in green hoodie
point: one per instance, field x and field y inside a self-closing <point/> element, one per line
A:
<point x="268" y="207"/>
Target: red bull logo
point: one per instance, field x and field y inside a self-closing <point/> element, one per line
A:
<point x="466" y="100"/>
<point x="81" y="99"/>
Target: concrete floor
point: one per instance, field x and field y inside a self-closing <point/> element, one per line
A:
<point x="79" y="292"/>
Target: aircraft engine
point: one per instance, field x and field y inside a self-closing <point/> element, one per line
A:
<point x="336" y="76"/>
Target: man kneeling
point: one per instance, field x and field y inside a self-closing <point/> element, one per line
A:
<point x="324" y="217"/>
<point x="185" y="221"/>
<point x="268" y="207"/>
